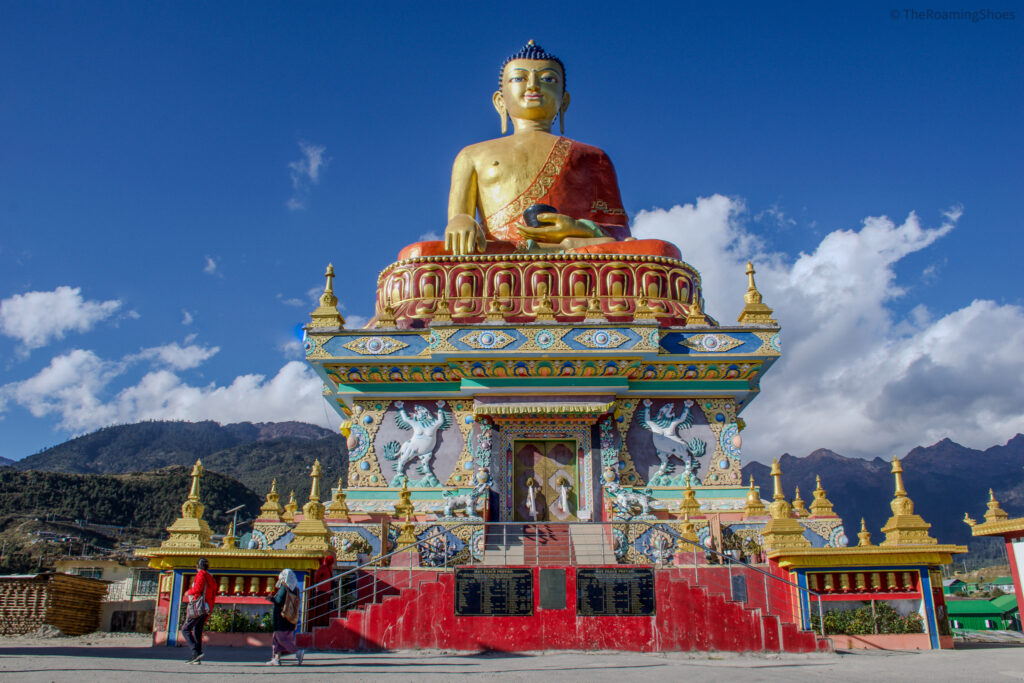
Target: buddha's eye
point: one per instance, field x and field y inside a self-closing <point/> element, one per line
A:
<point x="548" y="78"/>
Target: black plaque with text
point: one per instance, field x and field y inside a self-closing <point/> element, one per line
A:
<point x="493" y="592"/>
<point x="552" y="589"/>
<point x="615" y="592"/>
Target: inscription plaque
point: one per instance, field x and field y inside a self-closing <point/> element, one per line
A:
<point x="493" y="592"/>
<point x="739" y="588"/>
<point x="615" y="592"/>
<point x="552" y="589"/>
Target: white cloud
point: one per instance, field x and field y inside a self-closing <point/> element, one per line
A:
<point x="306" y="172"/>
<point x="74" y="388"/>
<point x="855" y="376"/>
<point x="36" y="318"/>
<point x="175" y="356"/>
<point x="293" y="348"/>
<point x="186" y="317"/>
<point x="433" y="235"/>
<point x="292" y="301"/>
<point x="355" y="322"/>
<point x="70" y="387"/>
<point x="212" y="266"/>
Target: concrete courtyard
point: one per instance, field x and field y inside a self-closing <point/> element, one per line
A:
<point x="127" y="658"/>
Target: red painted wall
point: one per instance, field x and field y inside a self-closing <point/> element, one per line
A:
<point x="688" y="618"/>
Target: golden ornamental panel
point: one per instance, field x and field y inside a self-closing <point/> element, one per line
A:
<point x="520" y="288"/>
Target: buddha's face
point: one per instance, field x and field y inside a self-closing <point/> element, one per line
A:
<point x="532" y="89"/>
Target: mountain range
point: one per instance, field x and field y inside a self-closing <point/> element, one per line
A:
<point x="253" y="454"/>
<point x="944" y="480"/>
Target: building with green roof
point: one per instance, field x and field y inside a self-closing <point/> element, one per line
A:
<point x="998" y="614"/>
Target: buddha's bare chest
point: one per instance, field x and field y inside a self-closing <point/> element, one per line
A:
<point x="505" y="171"/>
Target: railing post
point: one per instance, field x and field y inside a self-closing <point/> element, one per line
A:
<point x="767" y="602"/>
<point x="821" y="619"/>
<point x="696" y="576"/>
<point x="504" y="544"/>
<point x="729" y="565"/>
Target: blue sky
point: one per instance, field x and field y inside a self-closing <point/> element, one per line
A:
<point x="175" y="176"/>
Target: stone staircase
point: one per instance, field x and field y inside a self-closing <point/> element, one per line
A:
<point x="549" y="544"/>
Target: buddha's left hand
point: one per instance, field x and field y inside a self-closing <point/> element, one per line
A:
<point x="556" y="227"/>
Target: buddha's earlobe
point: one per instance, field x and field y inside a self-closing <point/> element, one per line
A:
<point x="499" y="106"/>
<point x="561" y="113"/>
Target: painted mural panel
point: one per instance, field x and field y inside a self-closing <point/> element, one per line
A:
<point x="670" y="441"/>
<point x="417" y="443"/>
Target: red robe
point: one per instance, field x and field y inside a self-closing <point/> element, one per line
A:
<point x="578" y="180"/>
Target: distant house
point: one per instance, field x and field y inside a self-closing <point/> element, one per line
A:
<point x="1003" y="583"/>
<point x="984" y="615"/>
<point x="1011" y="610"/>
<point x="131" y="596"/>
<point x="954" y="587"/>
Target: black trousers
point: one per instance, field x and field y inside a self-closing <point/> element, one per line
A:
<point x="192" y="629"/>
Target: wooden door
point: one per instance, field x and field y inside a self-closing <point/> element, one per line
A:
<point x="544" y="466"/>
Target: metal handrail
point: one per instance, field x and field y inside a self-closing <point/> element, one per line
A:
<point x="728" y="560"/>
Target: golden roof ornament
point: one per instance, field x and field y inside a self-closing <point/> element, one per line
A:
<point x="689" y="505"/>
<point x="687" y="532"/>
<point x="798" y="505"/>
<point x="314" y="508"/>
<point x="190" y="530"/>
<point x="755" y="506"/>
<point x="782" y="531"/>
<point x="995" y="513"/>
<point x="821" y="506"/>
<point x="904" y="527"/>
<point x="271" y="510"/>
<point x="404" y="506"/>
<point x="780" y="507"/>
<point x="290" y="508"/>
<point x="695" y="316"/>
<point x="338" y="509"/>
<point x="443" y="312"/>
<point x="326" y="314"/>
<point x="311" y="533"/>
<point x="864" y="535"/>
<point x="643" y="309"/>
<point x="230" y="540"/>
<point x="755" y="311"/>
<point x="495" y="314"/>
<point x="387" y="316"/>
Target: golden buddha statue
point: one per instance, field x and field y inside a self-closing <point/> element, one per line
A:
<point x="532" y="191"/>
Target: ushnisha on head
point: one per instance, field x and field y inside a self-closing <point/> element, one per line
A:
<point x="531" y="90"/>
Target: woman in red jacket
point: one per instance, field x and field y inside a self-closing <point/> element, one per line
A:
<point x="203" y="590"/>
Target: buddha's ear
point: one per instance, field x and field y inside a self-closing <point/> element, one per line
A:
<point x="499" y="106"/>
<point x="561" y="112"/>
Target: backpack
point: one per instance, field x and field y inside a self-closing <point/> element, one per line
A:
<point x="290" y="609"/>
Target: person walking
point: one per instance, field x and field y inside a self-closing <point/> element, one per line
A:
<point x="201" y="597"/>
<point x="286" y="618"/>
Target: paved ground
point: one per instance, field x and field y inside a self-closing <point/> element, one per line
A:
<point x="130" y="659"/>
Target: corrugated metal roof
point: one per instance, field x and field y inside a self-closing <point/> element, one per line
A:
<point x="979" y="607"/>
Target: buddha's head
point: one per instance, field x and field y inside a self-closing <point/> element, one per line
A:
<point x="531" y="87"/>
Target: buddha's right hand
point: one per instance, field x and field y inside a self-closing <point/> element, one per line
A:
<point x="463" y="235"/>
